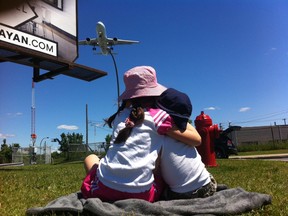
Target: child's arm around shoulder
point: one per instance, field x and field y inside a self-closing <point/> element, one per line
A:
<point x="165" y="126"/>
<point x="190" y="136"/>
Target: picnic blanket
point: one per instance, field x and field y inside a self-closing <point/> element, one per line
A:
<point x="225" y="202"/>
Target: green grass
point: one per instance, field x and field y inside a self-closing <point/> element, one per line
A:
<point x="36" y="185"/>
<point x="269" y="177"/>
<point x="33" y="186"/>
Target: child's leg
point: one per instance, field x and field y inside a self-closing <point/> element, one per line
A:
<point x="90" y="161"/>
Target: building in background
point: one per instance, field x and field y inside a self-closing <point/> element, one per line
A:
<point x="260" y="135"/>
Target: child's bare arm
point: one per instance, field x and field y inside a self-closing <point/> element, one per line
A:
<point x="190" y="136"/>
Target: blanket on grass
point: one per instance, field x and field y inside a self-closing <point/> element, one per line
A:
<point x="225" y="202"/>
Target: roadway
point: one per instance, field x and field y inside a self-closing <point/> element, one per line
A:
<point x="277" y="157"/>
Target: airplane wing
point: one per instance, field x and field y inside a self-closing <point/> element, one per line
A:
<point x="88" y="41"/>
<point x="116" y="41"/>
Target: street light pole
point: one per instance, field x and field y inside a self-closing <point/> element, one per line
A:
<point x="117" y="77"/>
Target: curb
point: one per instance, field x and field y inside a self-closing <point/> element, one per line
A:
<point x="12" y="164"/>
<point x="272" y="156"/>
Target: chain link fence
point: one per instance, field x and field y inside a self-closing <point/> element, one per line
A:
<point x="80" y="151"/>
<point x="32" y="155"/>
<point x="43" y="154"/>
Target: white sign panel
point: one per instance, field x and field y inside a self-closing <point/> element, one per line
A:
<point x="29" y="41"/>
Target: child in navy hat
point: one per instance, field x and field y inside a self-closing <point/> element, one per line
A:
<point x="176" y="104"/>
<point x="190" y="178"/>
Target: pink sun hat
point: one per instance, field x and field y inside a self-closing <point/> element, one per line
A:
<point x="141" y="81"/>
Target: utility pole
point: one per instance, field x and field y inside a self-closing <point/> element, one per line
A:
<point x="284" y="121"/>
<point x="86" y="128"/>
<point x="33" y="134"/>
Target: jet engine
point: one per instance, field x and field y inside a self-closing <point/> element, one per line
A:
<point x="88" y="40"/>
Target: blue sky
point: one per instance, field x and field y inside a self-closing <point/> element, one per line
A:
<point x="230" y="57"/>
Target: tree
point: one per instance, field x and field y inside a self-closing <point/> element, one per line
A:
<point x="75" y="138"/>
<point x="63" y="143"/>
<point x="16" y="145"/>
<point x="108" y="139"/>
<point x="67" y="139"/>
<point x="6" y="153"/>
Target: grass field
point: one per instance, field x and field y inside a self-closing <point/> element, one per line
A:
<point x="36" y="185"/>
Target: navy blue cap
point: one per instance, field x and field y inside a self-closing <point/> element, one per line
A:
<point x="178" y="105"/>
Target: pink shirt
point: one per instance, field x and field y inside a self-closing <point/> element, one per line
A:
<point x="163" y="121"/>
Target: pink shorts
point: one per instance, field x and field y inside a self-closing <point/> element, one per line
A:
<point x="93" y="188"/>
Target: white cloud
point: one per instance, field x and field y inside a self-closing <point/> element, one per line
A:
<point x="210" y="108"/>
<point x="14" y="114"/>
<point x="270" y="51"/>
<point x="244" y="109"/>
<point x="67" y="127"/>
<point x="4" y="136"/>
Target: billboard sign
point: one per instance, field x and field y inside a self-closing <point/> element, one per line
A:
<point x="45" y="26"/>
<point x="28" y="41"/>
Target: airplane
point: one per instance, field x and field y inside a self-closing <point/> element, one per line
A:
<point x="106" y="44"/>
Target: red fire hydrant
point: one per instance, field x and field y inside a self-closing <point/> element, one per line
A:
<point x="208" y="133"/>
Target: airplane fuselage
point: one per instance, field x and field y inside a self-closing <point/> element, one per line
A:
<point x="106" y="44"/>
<point x="102" y="38"/>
